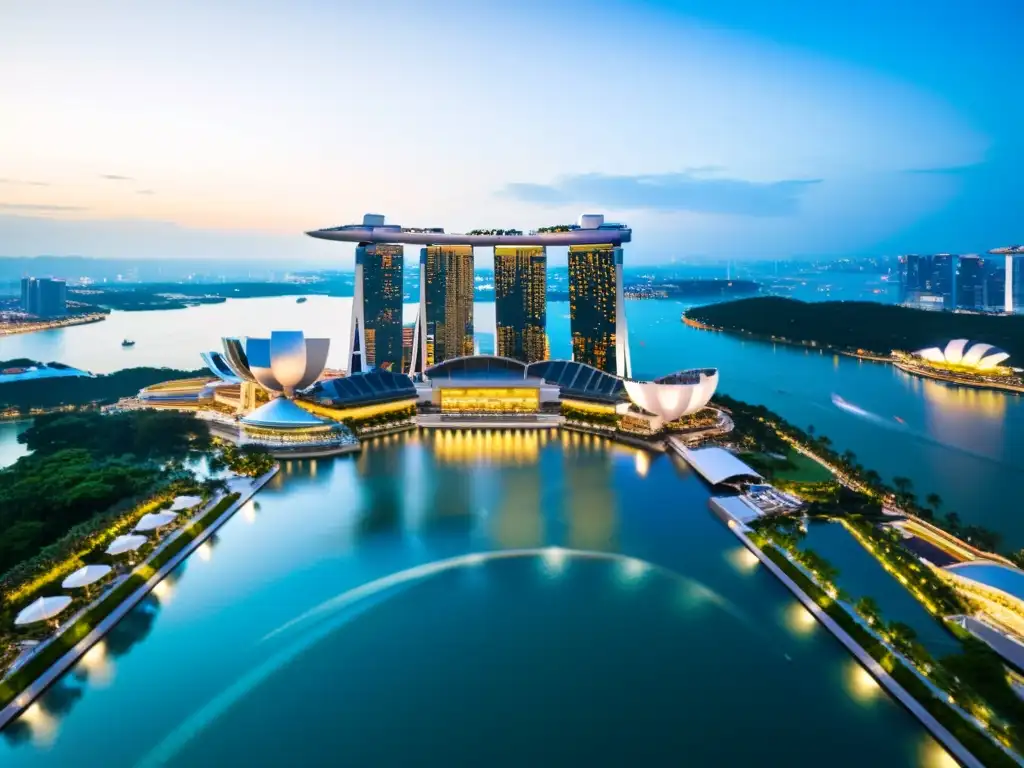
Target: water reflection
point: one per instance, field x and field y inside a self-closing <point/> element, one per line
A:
<point x="589" y="500"/>
<point x="383" y="488"/>
<point x="519" y="522"/>
<point x="861" y="684"/>
<point x="489" y="446"/>
<point x="933" y="755"/>
<point x="799" y="620"/>
<point x="137" y="624"/>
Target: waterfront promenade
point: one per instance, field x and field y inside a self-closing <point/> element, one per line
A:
<point x="247" y="488"/>
<point x="897" y="691"/>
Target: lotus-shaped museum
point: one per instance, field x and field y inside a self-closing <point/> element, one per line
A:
<point x="676" y="395"/>
<point x="283" y="364"/>
<point x="965" y="353"/>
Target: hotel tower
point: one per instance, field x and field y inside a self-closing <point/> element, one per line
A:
<point x="520" y="298"/>
<point x="444" y="329"/>
<point x="376" y="340"/>
<point x="597" y="316"/>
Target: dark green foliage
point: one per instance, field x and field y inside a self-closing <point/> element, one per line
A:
<point x="251" y="460"/>
<point x="878" y="328"/>
<point x="84" y="464"/>
<point x="80" y="391"/>
<point x="144" y="434"/>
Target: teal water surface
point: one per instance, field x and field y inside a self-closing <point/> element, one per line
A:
<point x="355" y="612"/>
<point x="967" y="445"/>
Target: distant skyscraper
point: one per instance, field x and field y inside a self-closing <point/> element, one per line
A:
<point x="445" y="324"/>
<point x="520" y="297"/>
<point x="596" y="308"/>
<point x="971" y="283"/>
<point x="927" y="281"/>
<point x="44" y="297"/>
<point x="377" y="309"/>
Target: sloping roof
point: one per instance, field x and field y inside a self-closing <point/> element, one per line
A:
<point x="374" y="386"/>
<point x="579" y="380"/>
<point x="282" y="413"/>
<point x="717" y="465"/>
<point x="992" y="575"/>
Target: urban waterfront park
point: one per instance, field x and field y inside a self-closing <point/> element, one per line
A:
<point x="942" y="407"/>
<point x="489" y="597"/>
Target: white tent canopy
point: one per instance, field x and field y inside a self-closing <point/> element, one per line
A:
<point x="85" y="576"/>
<point x="123" y="544"/>
<point x="185" y="502"/>
<point x="153" y="521"/>
<point x="43" y="609"/>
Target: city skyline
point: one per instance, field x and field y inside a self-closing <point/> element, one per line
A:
<point x="220" y="138"/>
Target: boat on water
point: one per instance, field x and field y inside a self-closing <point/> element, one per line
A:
<point x="301" y="300"/>
<point x="127" y="343"/>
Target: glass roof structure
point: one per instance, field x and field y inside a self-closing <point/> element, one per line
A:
<point x="478" y="367"/>
<point x="579" y="380"/>
<point x="363" y="389"/>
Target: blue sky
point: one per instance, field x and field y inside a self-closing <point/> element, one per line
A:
<point x="728" y="128"/>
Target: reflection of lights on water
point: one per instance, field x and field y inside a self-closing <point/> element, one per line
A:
<point x="862" y="686"/>
<point x="642" y="463"/>
<point x="41" y="723"/>
<point x="933" y="755"/>
<point x="742" y="559"/>
<point x="163" y="591"/>
<point x="96" y="663"/>
<point x="633" y="569"/>
<point x="554" y="559"/>
<point x="249" y="512"/>
<point x="799" y="619"/>
<point x="205" y="552"/>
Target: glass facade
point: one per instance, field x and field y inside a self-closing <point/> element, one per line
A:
<point x="382" y="304"/>
<point x="490" y="400"/>
<point x="448" y="271"/>
<point x="44" y="297"/>
<point x="593" y="305"/>
<point x="520" y="296"/>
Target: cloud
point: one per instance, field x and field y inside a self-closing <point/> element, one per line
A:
<point x="115" y="177"/>
<point x="25" y="183"/>
<point x="145" y="192"/>
<point x="687" y="191"/>
<point x="36" y="207"/>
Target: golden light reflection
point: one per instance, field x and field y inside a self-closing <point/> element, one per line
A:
<point x="963" y="399"/>
<point x="861" y="685"/>
<point x="742" y="559"/>
<point x="933" y="755"/>
<point x="642" y="463"/>
<point x="97" y="665"/>
<point x="41" y="723"/>
<point x="249" y="512"/>
<point x="509" y="446"/>
<point x="163" y="590"/>
<point x="799" y="620"/>
<point x="204" y="551"/>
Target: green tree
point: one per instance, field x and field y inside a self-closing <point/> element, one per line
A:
<point x="868" y="610"/>
<point x="934" y="501"/>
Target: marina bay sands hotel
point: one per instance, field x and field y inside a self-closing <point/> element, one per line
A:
<point x="444" y="325"/>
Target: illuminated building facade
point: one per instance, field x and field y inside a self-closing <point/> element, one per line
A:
<point x="408" y="339"/>
<point x="520" y="296"/>
<point x="445" y="325"/>
<point x="376" y="329"/>
<point x="596" y="308"/>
